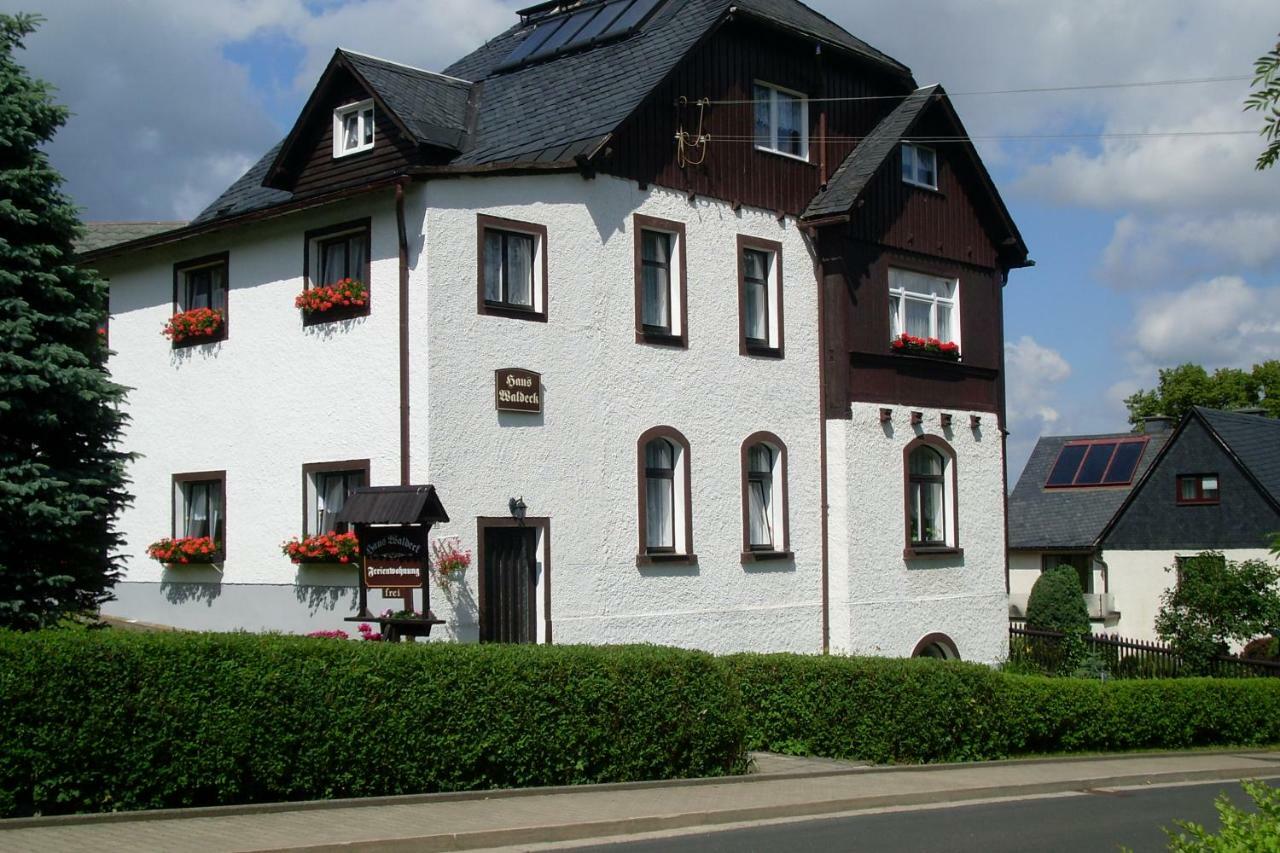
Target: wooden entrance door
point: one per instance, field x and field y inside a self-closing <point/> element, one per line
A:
<point x="508" y="589"/>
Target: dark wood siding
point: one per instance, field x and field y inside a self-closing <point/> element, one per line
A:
<point x="1242" y="518"/>
<point x="318" y="171"/>
<point x="859" y="364"/>
<point x="725" y="68"/>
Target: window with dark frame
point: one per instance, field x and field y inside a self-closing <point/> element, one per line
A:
<point x="760" y="497"/>
<point x="927" y="497"/>
<point x="203" y="285"/>
<point x="1082" y="563"/>
<point x="1198" y="489"/>
<point x="508" y="269"/>
<point x="331" y="491"/>
<point x="755" y="282"/>
<point x="1105" y="462"/>
<point x="660" y="496"/>
<point x="655" y="266"/>
<point x="342" y="256"/>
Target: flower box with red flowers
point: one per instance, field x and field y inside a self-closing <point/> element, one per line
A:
<point x="341" y="300"/>
<point x="185" y="550"/>
<point x="906" y="344"/>
<point x="197" y="326"/>
<point x="323" y="548"/>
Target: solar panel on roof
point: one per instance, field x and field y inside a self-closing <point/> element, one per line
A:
<point x="1124" y="463"/>
<point x="1095" y="464"/>
<point x="581" y="28"/>
<point x="1064" y="470"/>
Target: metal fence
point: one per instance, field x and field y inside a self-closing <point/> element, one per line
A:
<point x="1051" y="653"/>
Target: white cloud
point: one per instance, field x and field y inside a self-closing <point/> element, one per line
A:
<point x="1032" y="371"/>
<point x="1170" y="250"/>
<point x="1220" y="322"/>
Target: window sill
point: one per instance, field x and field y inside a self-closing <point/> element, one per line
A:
<point x="351" y="152"/>
<point x="334" y="315"/>
<point x="762" y="351"/>
<point x="643" y="560"/>
<point x="925" y="552"/>
<point x="796" y="157"/>
<point x="662" y="339"/>
<point x="925" y="187"/>
<point x="767" y="556"/>
<point x="495" y="309"/>
<point x="198" y="341"/>
<point x="1195" y="503"/>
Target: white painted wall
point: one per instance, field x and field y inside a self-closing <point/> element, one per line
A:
<point x="1138" y="578"/>
<point x="892" y="602"/>
<point x="576" y="463"/>
<point x="273" y="396"/>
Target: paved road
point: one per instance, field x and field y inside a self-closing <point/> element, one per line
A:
<point x="1098" y="821"/>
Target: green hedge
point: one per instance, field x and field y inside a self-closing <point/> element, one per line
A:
<point x="103" y="720"/>
<point x="906" y="711"/>
<point x="100" y="721"/>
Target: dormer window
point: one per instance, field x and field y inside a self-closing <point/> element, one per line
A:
<point x="781" y="121"/>
<point x="353" y="128"/>
<point x="919" y="166"/>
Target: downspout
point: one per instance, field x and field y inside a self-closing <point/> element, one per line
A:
<point x="1004" y="436"/>
<point x="403" y="236"/>
<point x="819" y="275"/>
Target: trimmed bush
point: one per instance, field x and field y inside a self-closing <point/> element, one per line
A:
<point x="1056" y="603"/>
<point x="901" y="711"/>
<point x="104" y="721"/>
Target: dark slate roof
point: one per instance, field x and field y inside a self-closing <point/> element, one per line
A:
<point x="392" y="505"/>
<point x="862" y="164"/>
<point x="433" y="106"/>
<point x="247" y="194"/>
<point x="1043" y="519"/>
<point x="547" y="112"/>
<point x="100" y="235"/>
<point x="1255" y="441"/>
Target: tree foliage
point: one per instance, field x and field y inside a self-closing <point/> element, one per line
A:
<point x="61" y="473"/>
<point x="1266" y="100"/>
<point x="1056" y="603"/>
<point x="1217" y="602"/>
<point x="1189" y="385"/>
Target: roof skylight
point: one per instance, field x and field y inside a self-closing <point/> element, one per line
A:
<point x="581" y="27"/>
<point x="1108" y="462"/>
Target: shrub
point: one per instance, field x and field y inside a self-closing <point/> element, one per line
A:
<point x="1240" y="831"/>
<point x="104" y="721"/>
<point x="1056" y="603"/>
<point x="886" y="710"/>
<point x="1263" y="648"/>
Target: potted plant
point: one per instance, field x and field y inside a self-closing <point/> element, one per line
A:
<point x="184" y="550"/>
<point x="195" y="325"/>
<point x="448" y="561"/>
<point x="928" y="347"/>
<point x="322" y="548"/>
<point x="341" y="299"/>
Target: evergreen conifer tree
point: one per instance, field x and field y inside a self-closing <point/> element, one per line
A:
<point x="62" y="480"/>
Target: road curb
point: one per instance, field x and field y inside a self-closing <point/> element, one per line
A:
<point x="511" y="793"/>
<point x="444" y="842"/>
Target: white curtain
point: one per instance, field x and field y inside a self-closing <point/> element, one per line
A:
<point x="919" y="317"/>
<point x="332" y="495"/>
<point x="760" y="495"/>
<point x="350" y="131"/>
<point x="790" y="124"/>
<point x="659" y="461"/>
<point x="764" y="116"/>
<point x="756" y="273"/>
<point x="359" y="248"/>
<point x="520" y="270"/>
<point x="197" y="510"/>
<point x="333" y="262"/>
<point x="656" y="249"/>
<point x="492" y="266"/>
<point x="215" y="508"/>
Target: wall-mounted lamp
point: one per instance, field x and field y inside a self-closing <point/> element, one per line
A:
<point x="518" y="509"/>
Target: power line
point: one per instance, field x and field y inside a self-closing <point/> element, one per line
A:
<point x="1036" y="90"/>
<point x="1026" y="136"/>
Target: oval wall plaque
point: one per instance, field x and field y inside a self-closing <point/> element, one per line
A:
<point x="517" y="390"/>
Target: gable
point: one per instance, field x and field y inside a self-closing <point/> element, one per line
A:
<point x="1152" y="519"/>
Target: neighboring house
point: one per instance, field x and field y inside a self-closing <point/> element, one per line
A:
<point x="1213" y="484"/>
<point x="701" y="222"/>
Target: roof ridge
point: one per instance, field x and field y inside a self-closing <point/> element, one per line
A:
<point x="404" y="65"/>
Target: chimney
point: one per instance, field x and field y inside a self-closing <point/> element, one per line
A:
<point x="1252" y="410"/>
<point x="1157" y="424"/>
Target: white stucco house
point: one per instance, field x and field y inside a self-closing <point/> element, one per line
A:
<point x="768" y="358"/>
<point x="1130" y="511"/>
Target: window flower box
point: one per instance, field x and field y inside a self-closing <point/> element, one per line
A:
<point x="198" y="325"/>
<point x="194" y="550"/>
<point x="928" y="347"/>
<point x="341" y="300"/>
<point x="323" y="548"/>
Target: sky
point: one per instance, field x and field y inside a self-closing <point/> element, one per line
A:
<point x="1150" y="251"/>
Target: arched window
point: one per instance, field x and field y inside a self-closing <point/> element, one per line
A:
<point x="930" y="496"/>
<point x="938" y="646"/>
<point x="665" y="515"/>
<point x="764" y="496"/>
